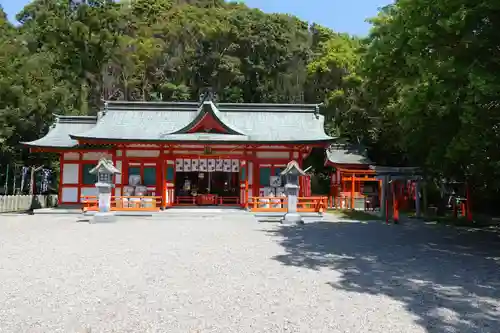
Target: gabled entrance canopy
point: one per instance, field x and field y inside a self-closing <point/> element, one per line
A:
<point x="208" y="120"/>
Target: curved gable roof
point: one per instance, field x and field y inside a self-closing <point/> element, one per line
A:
<point x="180" y="121"/>
<point x="59" y="133"/>
<point x="347" y="154"/>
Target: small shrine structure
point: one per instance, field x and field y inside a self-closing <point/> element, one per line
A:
<point x="353" y="182"/>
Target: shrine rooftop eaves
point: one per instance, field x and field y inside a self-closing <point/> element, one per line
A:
<point x="158" y="122"/>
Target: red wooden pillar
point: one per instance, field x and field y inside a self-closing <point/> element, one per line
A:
<point x="256" y="174"/>
<point x="113" y="159"/>
<point x="352" y="191"/>
<point x="300" y="161"/>
<point x="61" y="165"/>
<point x="80" y="178"/>
<point x="162" y="182"/>
<point x="395" y="204"/>
<point x="468" y="202"/>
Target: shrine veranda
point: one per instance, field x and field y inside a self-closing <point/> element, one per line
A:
<point x="177" y="150"/>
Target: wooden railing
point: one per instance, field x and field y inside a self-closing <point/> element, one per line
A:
<point x="229" y="201"/>
<point x="279" y="204"/>
<point x="344" y="202"/>
<point x="187" y="200"/>
<point x="209" y="200"/>
<point x="124" y="203"/>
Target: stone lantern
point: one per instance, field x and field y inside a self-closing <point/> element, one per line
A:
<point x="291" y="174"/>
<point x="105" y="170"/>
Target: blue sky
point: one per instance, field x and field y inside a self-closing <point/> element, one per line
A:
<point x="340" y="15"/>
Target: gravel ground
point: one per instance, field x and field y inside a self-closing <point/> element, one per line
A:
<point x="224" y="272"/>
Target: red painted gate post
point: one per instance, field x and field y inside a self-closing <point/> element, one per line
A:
<point x="395" y="205"/>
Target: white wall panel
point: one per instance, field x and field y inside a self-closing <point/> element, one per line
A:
<point x="69" y="194"/>
<point x="143" y="145"/>
<point x="70" y="173"/>
<point x="71" y="156"/>
<point x="118" y="178"/>
<point x="143" y="153"/>
<point x="273" y="154"/>
<point x="96" y="155"/>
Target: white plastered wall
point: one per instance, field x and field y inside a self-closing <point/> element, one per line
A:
<point x="95" y="155"/>
<point x="273" y="154"/>
<point x="142" y="153"/>
<point x="71" y="156"/>
<point x="118" y="177"/>
<point x="70" y="173"/>
<point x="69" y="194"/>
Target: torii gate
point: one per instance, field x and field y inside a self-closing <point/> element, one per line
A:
<point x="390" y="182"/>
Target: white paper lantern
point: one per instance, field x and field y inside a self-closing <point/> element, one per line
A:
<point x="187" y="164"/>
<point x="195" y="165"/>
<point x="235" y="165"/>
<point x="179" y="165"/>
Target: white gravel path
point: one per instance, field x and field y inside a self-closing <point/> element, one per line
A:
<point x="224" y="272"/>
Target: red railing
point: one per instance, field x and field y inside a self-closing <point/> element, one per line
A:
<point x="229" y="201"/>
<point x="206" y="199"/>
<point x="279" y="204"/>
<point x="124" y="203"/>
<point x="185" y="200"/>
<point x="344" y="202"/>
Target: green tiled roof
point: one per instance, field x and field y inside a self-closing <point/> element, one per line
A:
<point x="347" y="154"/>
<point x="168" y="121"/>
<point x="59" y="133"/>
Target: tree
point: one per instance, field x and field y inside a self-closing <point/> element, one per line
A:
<point x="430" y="67"/>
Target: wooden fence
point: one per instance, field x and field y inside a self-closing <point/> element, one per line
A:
<point x="23" y="203"/>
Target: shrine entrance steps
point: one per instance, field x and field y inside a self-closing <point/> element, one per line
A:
<point x="204" y="209"/>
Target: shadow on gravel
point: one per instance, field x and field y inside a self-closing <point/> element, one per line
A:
<point x="449" y="278"/>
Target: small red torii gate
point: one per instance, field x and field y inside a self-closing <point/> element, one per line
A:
<point x="392" y="180"/>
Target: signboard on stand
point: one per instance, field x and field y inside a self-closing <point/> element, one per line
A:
<point x="275" y="181"/>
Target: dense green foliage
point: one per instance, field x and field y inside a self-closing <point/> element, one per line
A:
<point x="430" y="69"/>
<point x="421" y="90"/>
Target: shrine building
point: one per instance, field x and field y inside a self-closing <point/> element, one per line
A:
<point x="223" y="153"/>
<point x="352" y="182"/>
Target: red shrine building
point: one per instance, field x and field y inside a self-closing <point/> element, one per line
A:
<point x="353" y="183"/>
<point x="184" y="152"/>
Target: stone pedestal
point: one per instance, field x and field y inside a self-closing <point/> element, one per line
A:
<point x="292" y="219"/>
<point x="291" y="216"/>
<point x="103" y="217"/>
<point x="104" y="197"/>
<point x="292" y="172"/>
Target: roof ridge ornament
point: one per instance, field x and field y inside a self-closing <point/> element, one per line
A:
<point x="316" y="110"/>
<point x="208" y="95"/>
<point x="106" y="105"/>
